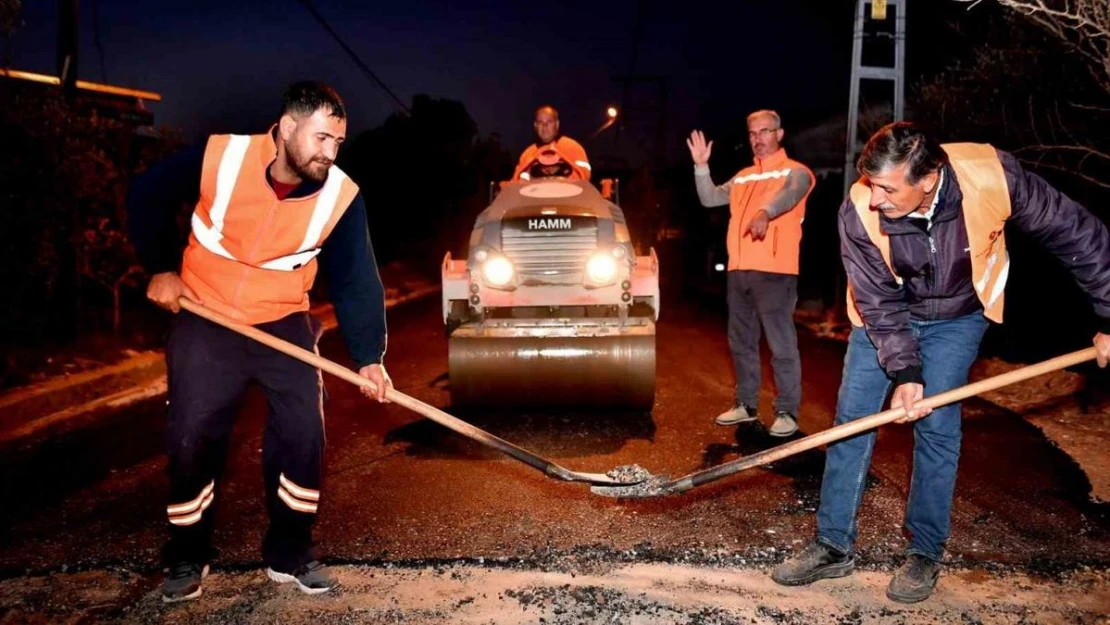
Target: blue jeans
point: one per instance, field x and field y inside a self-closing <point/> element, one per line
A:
<point x="948" y="348"/>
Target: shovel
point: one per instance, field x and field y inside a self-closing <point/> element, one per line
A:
<point x="653" y="486"/>
<point x="435" y="414"/>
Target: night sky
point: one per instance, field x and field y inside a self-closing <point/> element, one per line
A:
<point x="221" y="66"/>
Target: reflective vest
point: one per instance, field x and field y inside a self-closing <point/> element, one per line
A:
<point x="986" y="207"/>
<point x="250" y="255"/>
<point x="568" y="150"/>
<point x="752" y="189"/>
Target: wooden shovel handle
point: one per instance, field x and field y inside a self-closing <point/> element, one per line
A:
<point x="284" y="347"/>
<point x="392" y="394"/>
<point x="866" y="423"/>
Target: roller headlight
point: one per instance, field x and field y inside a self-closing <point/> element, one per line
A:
<point x="498" y="271"/>
<point x="601" y="268"/>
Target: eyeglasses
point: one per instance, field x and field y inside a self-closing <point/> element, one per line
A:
<point x="762" y="132"/>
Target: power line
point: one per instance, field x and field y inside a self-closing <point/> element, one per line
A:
<point x="358" y="61"/>
<point x="96" y="39"/>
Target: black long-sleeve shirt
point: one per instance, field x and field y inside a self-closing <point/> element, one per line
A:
<point x="346" y="257"/>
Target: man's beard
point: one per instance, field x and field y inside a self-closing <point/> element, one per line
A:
<point x="308" y="168"/>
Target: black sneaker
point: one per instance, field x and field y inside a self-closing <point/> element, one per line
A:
<point x="915" y="580"/>
<point x="183" y="582"/>
<point x="312" y="578"/>
<point x="816" y="561"/>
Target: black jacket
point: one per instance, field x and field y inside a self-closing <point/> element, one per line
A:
<point x="935" y="265"/>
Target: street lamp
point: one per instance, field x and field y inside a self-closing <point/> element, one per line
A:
<point x="611" y="114"/>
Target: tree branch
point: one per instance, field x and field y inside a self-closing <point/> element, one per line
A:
<point x="1094" y="181"/>
<point x="1083" y="25"/>
<point x="131" y="271"/>
<point x="1082" y="149"/>
<point x="1088" y="107"/>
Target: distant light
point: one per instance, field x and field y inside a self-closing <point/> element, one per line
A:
<point x="878" y="9"/>
<point x="719" y="267"/>
<point x="612" y="112"/>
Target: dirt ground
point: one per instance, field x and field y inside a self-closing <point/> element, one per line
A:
<point x="1030" y="546"/>
<point x="1071" y="410"/>
<point x="638" y="593"/>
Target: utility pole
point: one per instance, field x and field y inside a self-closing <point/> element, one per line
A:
<point x="636" y="108"/>
<point x="638" y="104"/>
<point x="895" y="74"/>
<point x="68" y="25"/>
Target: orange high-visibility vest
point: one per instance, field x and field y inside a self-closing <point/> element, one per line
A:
<point x="250" y="255"/>
<point x="986" y="207"/>
<point x="565" y="148"/>
<point x="752" y="189"/>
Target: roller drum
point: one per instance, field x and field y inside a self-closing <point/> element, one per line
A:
<point x="606" y="371"/>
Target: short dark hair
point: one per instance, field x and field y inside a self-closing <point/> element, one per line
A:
<point x="898" y="143"/>
<point x="308" y="96"/>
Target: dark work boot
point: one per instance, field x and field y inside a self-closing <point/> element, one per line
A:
<point x="816" y="561"/>
<point x="915" y="580"/>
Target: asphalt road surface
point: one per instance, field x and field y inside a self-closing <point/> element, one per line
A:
<point x="403" y="491"/>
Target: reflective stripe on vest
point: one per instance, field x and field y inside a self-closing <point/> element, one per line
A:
<point x="228" y="173"/>
<point x="999" y="286"/>
<point x="226" y="176"/>
<point x="985" y="209"/>
<point x="767" y="175"/>
<point x="751" y="189"/>
<point x="325" y="204"/>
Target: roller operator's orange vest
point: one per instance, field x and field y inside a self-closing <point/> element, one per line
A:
<point x="752" y="189"/>
<point x="252" y="256"/>
<point x="563" y="148"/>
<point x="986" y="207"/>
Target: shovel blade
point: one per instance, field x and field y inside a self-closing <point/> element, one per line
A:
<point x="656" y="486"/>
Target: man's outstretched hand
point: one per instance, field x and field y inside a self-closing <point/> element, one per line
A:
<point x="699" y="149"/>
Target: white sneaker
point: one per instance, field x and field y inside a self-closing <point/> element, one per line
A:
<point x="312" y="578"/>
<point x="785" y="424"/>
<point x="737" y="414"/>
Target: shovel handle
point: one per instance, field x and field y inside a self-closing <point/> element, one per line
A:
<point x="392" y="394"/>
<point x="866" y="423"/>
